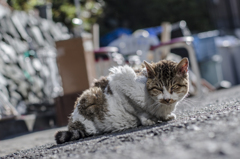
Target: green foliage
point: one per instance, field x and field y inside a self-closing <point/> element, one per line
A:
<point x="25" y="5"/>
<point x="64" y="10"/>
<point x="90" y="12"/>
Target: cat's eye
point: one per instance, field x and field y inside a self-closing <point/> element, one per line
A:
<point x="173" y="88"/>
<point x="157" y="89"/>
<point x="161" y="90"/>
<point x="179" y="85"/>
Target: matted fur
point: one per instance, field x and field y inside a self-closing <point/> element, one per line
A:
<point x="127" y="99"/>
<point x="92" y="104"/>
<point x="103" y="84"/>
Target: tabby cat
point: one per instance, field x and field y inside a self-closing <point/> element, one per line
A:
<point x="127" y="99"/>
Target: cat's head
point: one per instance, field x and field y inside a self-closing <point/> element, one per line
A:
<point x="167" y="81"/>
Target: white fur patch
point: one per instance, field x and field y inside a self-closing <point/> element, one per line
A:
<point x="167" y="95"/>
<point x="117" y="118"/>
<point x="142" y="79"/>
<point x="125" y="81"/>
<point x="160" y="96"/>
<point x="174" y="96"/>
<point x="89" y="125"/>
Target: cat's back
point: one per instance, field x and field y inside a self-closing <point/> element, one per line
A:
<point x="121" y="73"/>
<point x="102" y="104"/>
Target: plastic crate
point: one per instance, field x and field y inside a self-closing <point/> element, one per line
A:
<point x="204" y="45"/>
<point x="211" y="70"/>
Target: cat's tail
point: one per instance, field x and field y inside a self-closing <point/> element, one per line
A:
<point x="65" y="136"/>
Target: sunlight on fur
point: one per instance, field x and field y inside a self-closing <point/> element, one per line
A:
<point x="127" y="98"/>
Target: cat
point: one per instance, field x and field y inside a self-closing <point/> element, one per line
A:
<point x="127" y="99"/>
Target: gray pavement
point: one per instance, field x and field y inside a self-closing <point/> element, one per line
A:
<point x="27" y="141"/>
<point x="207" y="127"/>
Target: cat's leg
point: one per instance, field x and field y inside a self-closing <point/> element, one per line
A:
<point x="90" y="106"/>
<point x="145" y="120"/>
<point x="168" y="113"/>
<point x="78" y="127"/>
<point x="169" y="117"/>
<point x="76" y="130"/>
<point x="66" y="136"/>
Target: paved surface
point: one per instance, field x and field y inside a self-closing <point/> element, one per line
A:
<point x="207" y="127"/>
<point x="27" y="141"/>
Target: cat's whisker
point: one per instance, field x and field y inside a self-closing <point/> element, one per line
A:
<point x="191" y="101"/>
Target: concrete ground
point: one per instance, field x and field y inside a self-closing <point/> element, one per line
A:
<point x="207" y="127"/>
<point x="27" y="141"/>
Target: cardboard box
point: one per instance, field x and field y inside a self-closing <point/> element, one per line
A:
<point x="76" y="64"/>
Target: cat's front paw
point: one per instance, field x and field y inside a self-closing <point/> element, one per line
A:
<point x="170" y="117"/>
<point x="148" y="122"/>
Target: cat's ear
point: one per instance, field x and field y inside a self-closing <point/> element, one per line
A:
<point x="150" y="70"/>
<point x="182" y="67"/>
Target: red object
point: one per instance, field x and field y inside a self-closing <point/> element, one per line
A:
<point x="103" y="53"/>
<point x="103" y="50"/>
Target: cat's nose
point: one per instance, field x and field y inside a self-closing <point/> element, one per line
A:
<point x="167" y="100"/>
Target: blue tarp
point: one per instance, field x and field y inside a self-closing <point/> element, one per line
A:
<point x="109" y="37"/>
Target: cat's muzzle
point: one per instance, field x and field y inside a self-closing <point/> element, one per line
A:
<point x="167" y="101"/>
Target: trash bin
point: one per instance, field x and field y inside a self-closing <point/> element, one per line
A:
<point x="228" y="48"/>
<point x="208" y="57"/>
<point x="236" y="58"/>
<point x="211" y="70"/>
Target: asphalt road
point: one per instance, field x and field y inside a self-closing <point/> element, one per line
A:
<point x="207" y="127"/>
<point x="27" y="141"/>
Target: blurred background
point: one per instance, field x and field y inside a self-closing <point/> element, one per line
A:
<point x="51" y="50"/>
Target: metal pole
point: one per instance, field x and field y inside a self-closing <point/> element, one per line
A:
<point x="78" y="12"/>
<point x="95" y="32"/>
<point x="77" y="5"/>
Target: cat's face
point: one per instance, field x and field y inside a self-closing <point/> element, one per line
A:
<point x="167" y="80"/>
